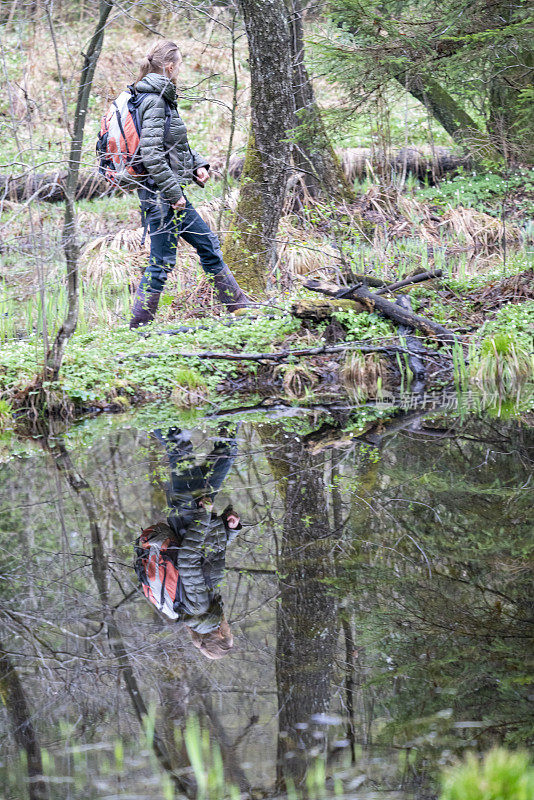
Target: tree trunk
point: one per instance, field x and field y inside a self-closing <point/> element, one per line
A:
<point x="250" y="244"/>
<point x="19" y="715"/>
<point x="54" y="356"/>
<point x="313" y="153"/>
<point x="306" y="615"/>
<point x="444" y="108"/>
<point x="508" y="123"/>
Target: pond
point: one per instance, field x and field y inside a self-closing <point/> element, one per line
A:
<point x="376" y="583"/>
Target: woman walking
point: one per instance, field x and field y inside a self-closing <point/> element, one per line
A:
<point x="170" y="165"/>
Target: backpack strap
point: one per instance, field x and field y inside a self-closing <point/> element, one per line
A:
<point x="136" y="99"/>
<point x="121" y="128"/>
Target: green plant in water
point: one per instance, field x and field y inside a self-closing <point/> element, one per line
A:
<point x="206" y="760"/>
<point x="5" y="415"/>
<point x="500" y="775"/>
<point x="502" y="366"/>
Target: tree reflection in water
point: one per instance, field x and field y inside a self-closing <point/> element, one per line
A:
<point x="378" y="594"/>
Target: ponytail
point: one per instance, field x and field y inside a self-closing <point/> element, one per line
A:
<point x="159" y="54"/>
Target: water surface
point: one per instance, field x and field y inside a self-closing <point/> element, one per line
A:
<point x="378" y="593"/>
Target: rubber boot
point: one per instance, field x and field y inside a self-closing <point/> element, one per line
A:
<point x="229" y="291"/>
<point x="144" y="306"/>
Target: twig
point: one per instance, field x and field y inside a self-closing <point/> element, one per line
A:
<point x="421" y="276"/>
<point x="375" y="303"/>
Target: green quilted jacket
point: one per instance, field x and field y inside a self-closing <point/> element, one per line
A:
<point x="169" y="163"/>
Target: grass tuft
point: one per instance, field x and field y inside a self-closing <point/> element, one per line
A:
<point x="500" y="775"/>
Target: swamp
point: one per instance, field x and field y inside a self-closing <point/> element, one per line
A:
<point x="276" y="543"/>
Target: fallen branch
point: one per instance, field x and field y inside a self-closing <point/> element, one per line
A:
<point x="50" y="187"/>
<point x="282" y="355"/>
<point x="421" y="276"/>
<point x="374" y="303"/>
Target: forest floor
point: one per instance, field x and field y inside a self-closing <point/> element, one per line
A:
<point x="475" y="227"/>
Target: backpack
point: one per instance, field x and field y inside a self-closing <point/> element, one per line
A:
<point x="117" y="143"/>
<point x="155" y="566"/>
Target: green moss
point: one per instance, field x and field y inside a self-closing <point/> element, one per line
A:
<point x="244" y="249"/>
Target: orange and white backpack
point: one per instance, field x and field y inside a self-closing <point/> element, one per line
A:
<point x="117" y="145"/>
<point x="155" y="565"/>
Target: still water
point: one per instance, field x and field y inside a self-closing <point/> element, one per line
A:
<point x="368" y="580"/>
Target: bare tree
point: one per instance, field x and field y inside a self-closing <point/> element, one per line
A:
<point x="313" y="153"/>
<point x="55" y="354"/>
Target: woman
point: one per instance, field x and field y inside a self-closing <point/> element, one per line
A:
<point x="171" y="165"/>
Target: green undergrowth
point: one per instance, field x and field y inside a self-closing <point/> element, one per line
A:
<point x="514" y="320"/>
<point x="484" y="191"/>
<point x="500" y="775"/>
<point x="467" y="290"/>
<point x="110" y="363"/>
<point x="502" y="354"/>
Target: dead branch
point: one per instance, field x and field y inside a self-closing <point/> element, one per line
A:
<point x="282" y="355"/>
<point x="374" y="303"/>
<point x="421" y="276"/>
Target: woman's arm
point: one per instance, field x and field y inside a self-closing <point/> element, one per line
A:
<point x="196" y="598"/>
<point x="151" y="147"/>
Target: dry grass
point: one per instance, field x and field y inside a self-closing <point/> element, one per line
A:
<point x="115" y="259"/>
<point x="364" y="375"/>
<point x="297" y="379"/>
<point x="303" y="254"/>
<point x="478" y="230"/>
<point x="468" y="227"/>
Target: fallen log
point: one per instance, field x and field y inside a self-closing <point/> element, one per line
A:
<point x="370" y="280"/>
<point x="357" y="162"/>
<point x="425" y="163"/>
<point x="320" y="310"/>
<point x="421" y="276"/>
<point x="375" y="303"/>
<point x="50" y="187"/>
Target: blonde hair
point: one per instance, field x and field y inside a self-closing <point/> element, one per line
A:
<point x="216" y="644"/>
<point x="160" y="53"/>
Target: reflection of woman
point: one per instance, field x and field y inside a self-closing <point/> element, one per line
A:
<point x="181" y="562"/>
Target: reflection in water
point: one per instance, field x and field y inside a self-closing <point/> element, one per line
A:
<point x="306" y="613"/>
<point x="379" y="596"/>
<point x="180" y="562"/>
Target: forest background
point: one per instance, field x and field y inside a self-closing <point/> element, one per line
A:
<point x="354" y="147"/>
<point x="348" y="143"/>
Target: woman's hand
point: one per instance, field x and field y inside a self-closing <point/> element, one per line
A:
<point x="202" y="175"/>
<point x="180" y="204"/>
<point x="206" y="503"/>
